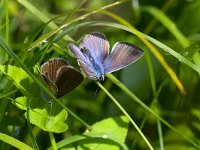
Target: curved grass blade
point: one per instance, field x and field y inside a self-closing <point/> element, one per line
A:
<point x="169" y="24"/>
<point x="14" y="142"/>
<point x="127" y="115"/>
<point x="40" y="15"/>
<point x="46" y="36"/>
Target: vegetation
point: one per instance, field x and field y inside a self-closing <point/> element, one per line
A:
<point x="151" y="104"/>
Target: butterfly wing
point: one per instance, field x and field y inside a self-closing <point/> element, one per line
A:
<point x="59" y="77"/>
<point x="49" y="75"/>
<point x="51" y="86"/>
<point x="49" y="69"/>
<point x="97" y="45"/>
<point x="77" y="52"/>
<point x="88" y="70"/>
<point x="84" y="60"/>
<point x="67" y="80"/>
<point x="122" y="55"/>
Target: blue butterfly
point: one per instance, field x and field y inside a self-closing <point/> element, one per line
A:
<point x="95" y="58"/>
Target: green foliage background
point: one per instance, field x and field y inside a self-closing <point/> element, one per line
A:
<point x="158" y="95"/>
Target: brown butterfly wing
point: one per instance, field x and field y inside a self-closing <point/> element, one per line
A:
<point x="49" y="69"/>
<point x="67" y="80"/>
<point x="59" y="77"/>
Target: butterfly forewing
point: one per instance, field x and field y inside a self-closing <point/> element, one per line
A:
<point x="122" y="55"/>
<point x="77" y="52"/>
<point x="97" y="45"/>
<point x="49" y="69"/>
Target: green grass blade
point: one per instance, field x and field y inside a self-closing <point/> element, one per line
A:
<point x="169" y="24"/>
<point x="44" y="38"/>
<point x="127" y="115"/>
<point x="14" y="142"/>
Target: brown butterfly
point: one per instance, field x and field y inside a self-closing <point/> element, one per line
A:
<point x="60" y="77"/>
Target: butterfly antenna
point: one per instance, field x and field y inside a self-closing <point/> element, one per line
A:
<point x="96" y="91"/>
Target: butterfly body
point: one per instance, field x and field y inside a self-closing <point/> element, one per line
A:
<point x="95" y="59"/>
<point x="94" y="67"/>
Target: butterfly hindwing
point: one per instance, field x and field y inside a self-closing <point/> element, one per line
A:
<point x="88" y="70"/>
<point x="67" y="80"/>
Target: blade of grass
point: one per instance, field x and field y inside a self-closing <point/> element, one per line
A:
<point x="127" y="115"/>
<point x="14" y="142"/>
<point x="7" y="22"/>
<point x="46" y="36"/>
<point x="4" y="95"/>
<point x="145" y="117"/>
<point x="40" y="15"/>
<point x="152" y="24"/>
<point x="33" y="140"/>
<point x="169" y="24"/>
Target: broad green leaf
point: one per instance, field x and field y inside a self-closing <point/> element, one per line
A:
<point x="55" y="124"/>
<point x="48" y="118"/>
<point x="21" y="79"/>
<point x="114" y="129"/>
<point x="106" y="134"/>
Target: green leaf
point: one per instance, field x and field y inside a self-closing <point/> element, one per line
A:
<point x="48" y="118"/>
<point x="106" y="134"/>
<point x="55" y="124"/>
<point x="21" y="79"/>
<point x="112" y="129"/>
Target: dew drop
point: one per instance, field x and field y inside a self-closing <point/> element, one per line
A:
<point x="104" y="136"/>
<point x="82" y="17"/>
<point x="44" y="41"/>
<point x="186" y="53"/>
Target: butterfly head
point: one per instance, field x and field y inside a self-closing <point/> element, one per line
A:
<point x="100" y="78"/>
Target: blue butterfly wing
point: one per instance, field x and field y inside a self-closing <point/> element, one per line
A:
<point x="122" y="55"/>
<point x="97" y="45"/>
<point x="84" y="61"/>
<point x="88" y="70"/>
<point x="78" y="53"/>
